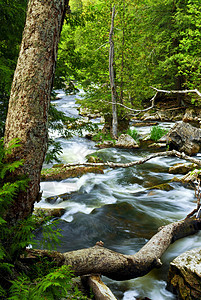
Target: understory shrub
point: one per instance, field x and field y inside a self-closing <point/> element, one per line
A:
<point x="157" y="132"/>
<point x="133" y="133"/>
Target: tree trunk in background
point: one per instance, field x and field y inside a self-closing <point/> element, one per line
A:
<point x="112" y="79"/>
<point x="30" y="97"/>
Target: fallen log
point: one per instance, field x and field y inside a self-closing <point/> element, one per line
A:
<point x="117" y="266"/>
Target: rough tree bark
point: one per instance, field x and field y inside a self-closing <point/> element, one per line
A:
<point x="30" y="96"/>
<point x="112" y="78"/>
<point x="117" y="266"/>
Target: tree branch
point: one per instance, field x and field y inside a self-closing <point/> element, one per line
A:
<point x="117" y="266"/>
<point x="138" y="162"/>
<point x="177" y="92"/>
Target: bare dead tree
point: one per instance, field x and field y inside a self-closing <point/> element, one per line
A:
<point x="112" y="77"/>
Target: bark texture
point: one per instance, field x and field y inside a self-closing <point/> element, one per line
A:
<point x="30" y="96"/>
<point x="100" y="260"/>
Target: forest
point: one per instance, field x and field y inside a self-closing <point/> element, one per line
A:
<point x="99" y="102"/>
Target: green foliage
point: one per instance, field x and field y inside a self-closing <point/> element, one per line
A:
<point x="157" y="132"/>
<point x="133" y="133"/>
<point x="55" y="285"/>
<point x="100" y="136"/>
<point x="11" y="23"/>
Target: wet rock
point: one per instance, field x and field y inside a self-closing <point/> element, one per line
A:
<point x="93" y="159"/>
<point x="192" y="116"/>
<point x="64" y="173"/>
<point x="182" y="168"/>
<point x="162" y="187"/>
<point x="126" y="141"/>
<point x="106" y="144"/>
<point x="157" y="145"/>
<point x="49" y="212"/>
<point x="143" y="124"/>
<point x="184" y="278"/>
<point x="60" y="198"/>
<point x="184" y="138"/>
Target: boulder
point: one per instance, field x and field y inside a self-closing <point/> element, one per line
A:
<point x="184" y="138"/>
<point x="184" y="278"/>
<point x="126" y="141"/>
<point x="182" y="168"/>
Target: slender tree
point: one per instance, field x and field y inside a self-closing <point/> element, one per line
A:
<point x="112" y="77"/>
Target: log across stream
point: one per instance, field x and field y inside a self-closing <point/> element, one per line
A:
<point x="119" y="208"/>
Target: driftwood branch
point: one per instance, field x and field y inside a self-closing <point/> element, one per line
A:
<point x="176" y="92"/>
<point x="152" y="100"/>
<point x="138" y="162"/>
<point x="117" y="266"/>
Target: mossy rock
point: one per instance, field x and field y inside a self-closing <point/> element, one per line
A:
<point x="163" y="187"/>
<point x="64" y="173"/>
<point x="182" y="168"/>
<point x="92" y="158"/>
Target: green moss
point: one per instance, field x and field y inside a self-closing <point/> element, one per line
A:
<point x="63" y="173"/>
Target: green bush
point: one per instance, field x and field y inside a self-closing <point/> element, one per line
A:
<point x="133" y="133"/>
<point x="157" y="132"/>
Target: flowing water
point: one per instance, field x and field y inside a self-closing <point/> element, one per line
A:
<point x="118" y="208"/>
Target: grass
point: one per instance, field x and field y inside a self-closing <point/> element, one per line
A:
<point x="157" y="132"/>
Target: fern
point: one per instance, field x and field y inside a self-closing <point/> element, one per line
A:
<point x="54" y="286"/>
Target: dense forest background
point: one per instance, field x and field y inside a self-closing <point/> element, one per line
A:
<point x="157" y="43"/>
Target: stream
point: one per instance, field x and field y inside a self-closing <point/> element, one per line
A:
<point x="117" y="208"/>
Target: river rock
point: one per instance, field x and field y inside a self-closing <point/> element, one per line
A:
<point x="126" y="141"/>
<point x="62" y="173"/>
<point x="49" y="212"/>
<point x="184" y="138"/>
<point x="157" y="145"/>
<point x="192" y="116"/>
<point x="105" y="144"/>
<point x="184" y="278"/>
<point x="181" y="168"/>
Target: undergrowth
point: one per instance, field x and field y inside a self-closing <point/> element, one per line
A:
<point x="157" y="132"/>
<point x="133" y="133"/>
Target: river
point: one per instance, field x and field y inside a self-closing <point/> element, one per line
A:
<point x="117" y="208"/>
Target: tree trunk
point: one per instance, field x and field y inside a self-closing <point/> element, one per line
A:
<point x="117" y="266"/>
<point x="30" y="97"/>
<point x="112" y="78"/>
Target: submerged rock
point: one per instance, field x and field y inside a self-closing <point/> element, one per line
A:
<point x="184" y="278"/>
<point x="184" y="138"/>
<point x="126" y="141"/>
<point x="181" y="168"/>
